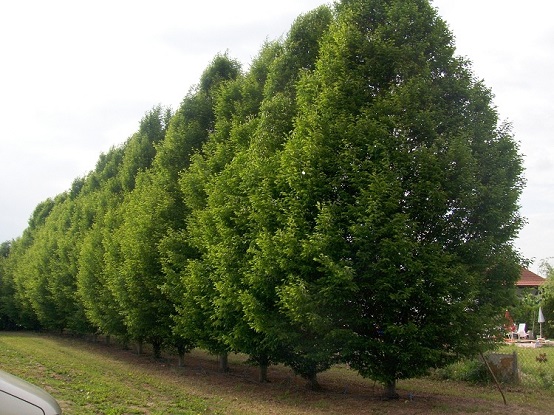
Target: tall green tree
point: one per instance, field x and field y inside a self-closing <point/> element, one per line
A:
<point x="41" y="271"/>
<point x="140" y="148"/>
<point x="130" y="267"/>
<point x="103" y="194"/>
<point x="145" y="308"/>
<point x="8" y="310"/>
<point x="281" y="338"/>
<point x="16" y="268"/>
<point x="193" y="279"/>
<point x="258" y="107"/>
<point x="401" y="194"/>
<point x="208" y="308"/>
<point x="50" y="269"/>
<point x="153" y="208"/>
<point x="100" y="305"/>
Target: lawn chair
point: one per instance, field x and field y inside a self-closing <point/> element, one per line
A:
<point x="522" y="332"/>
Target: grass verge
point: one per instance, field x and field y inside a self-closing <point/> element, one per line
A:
<point x="93" y="378"/>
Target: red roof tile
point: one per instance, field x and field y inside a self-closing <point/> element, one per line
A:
<point x="529" y="279"/>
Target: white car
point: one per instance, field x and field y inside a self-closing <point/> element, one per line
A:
<point x="18" y="397"/>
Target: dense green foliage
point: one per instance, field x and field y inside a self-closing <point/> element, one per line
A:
<point x="351" y="197"/>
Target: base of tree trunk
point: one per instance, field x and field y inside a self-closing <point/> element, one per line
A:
<point x="157" y="350"/>
<point x="390" y="393"/>
<point x="313" y="384"/>
<point x="263" y="374"/>
<point x="223" y="362"/>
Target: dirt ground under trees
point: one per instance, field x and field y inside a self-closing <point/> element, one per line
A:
<point x="342" y="390"/>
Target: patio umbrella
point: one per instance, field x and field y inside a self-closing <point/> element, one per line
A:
<point x="541" y="319"/>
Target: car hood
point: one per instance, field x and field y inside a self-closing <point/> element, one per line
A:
<point x="28" y="392"/>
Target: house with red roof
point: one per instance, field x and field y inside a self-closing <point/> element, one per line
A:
<point x="529" y="280"/>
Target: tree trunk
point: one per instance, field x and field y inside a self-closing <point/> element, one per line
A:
<point x="390" y="390"/>
<point x="181" y="355"/>
<point x="138" y="346"/>
<point x="313" y="384"/>
<point x="157" y="346"/>
<point x="181" y="351"/>
<point x="223" y="362"/>
<point x="263" y="362"/>
<point x="263" y="373"/>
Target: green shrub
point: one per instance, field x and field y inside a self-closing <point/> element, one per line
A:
<point x="467" y="370"/>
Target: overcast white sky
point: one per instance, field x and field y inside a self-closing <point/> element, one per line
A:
<point x="76" y="78"/>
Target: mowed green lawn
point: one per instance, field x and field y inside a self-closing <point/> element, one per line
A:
<point x="86" y="381"/>
<point x="95" y="378"/>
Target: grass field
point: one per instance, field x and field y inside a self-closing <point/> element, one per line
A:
<point x="95" y="378"/>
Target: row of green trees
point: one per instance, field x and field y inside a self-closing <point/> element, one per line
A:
<point x="350" y="197"/>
